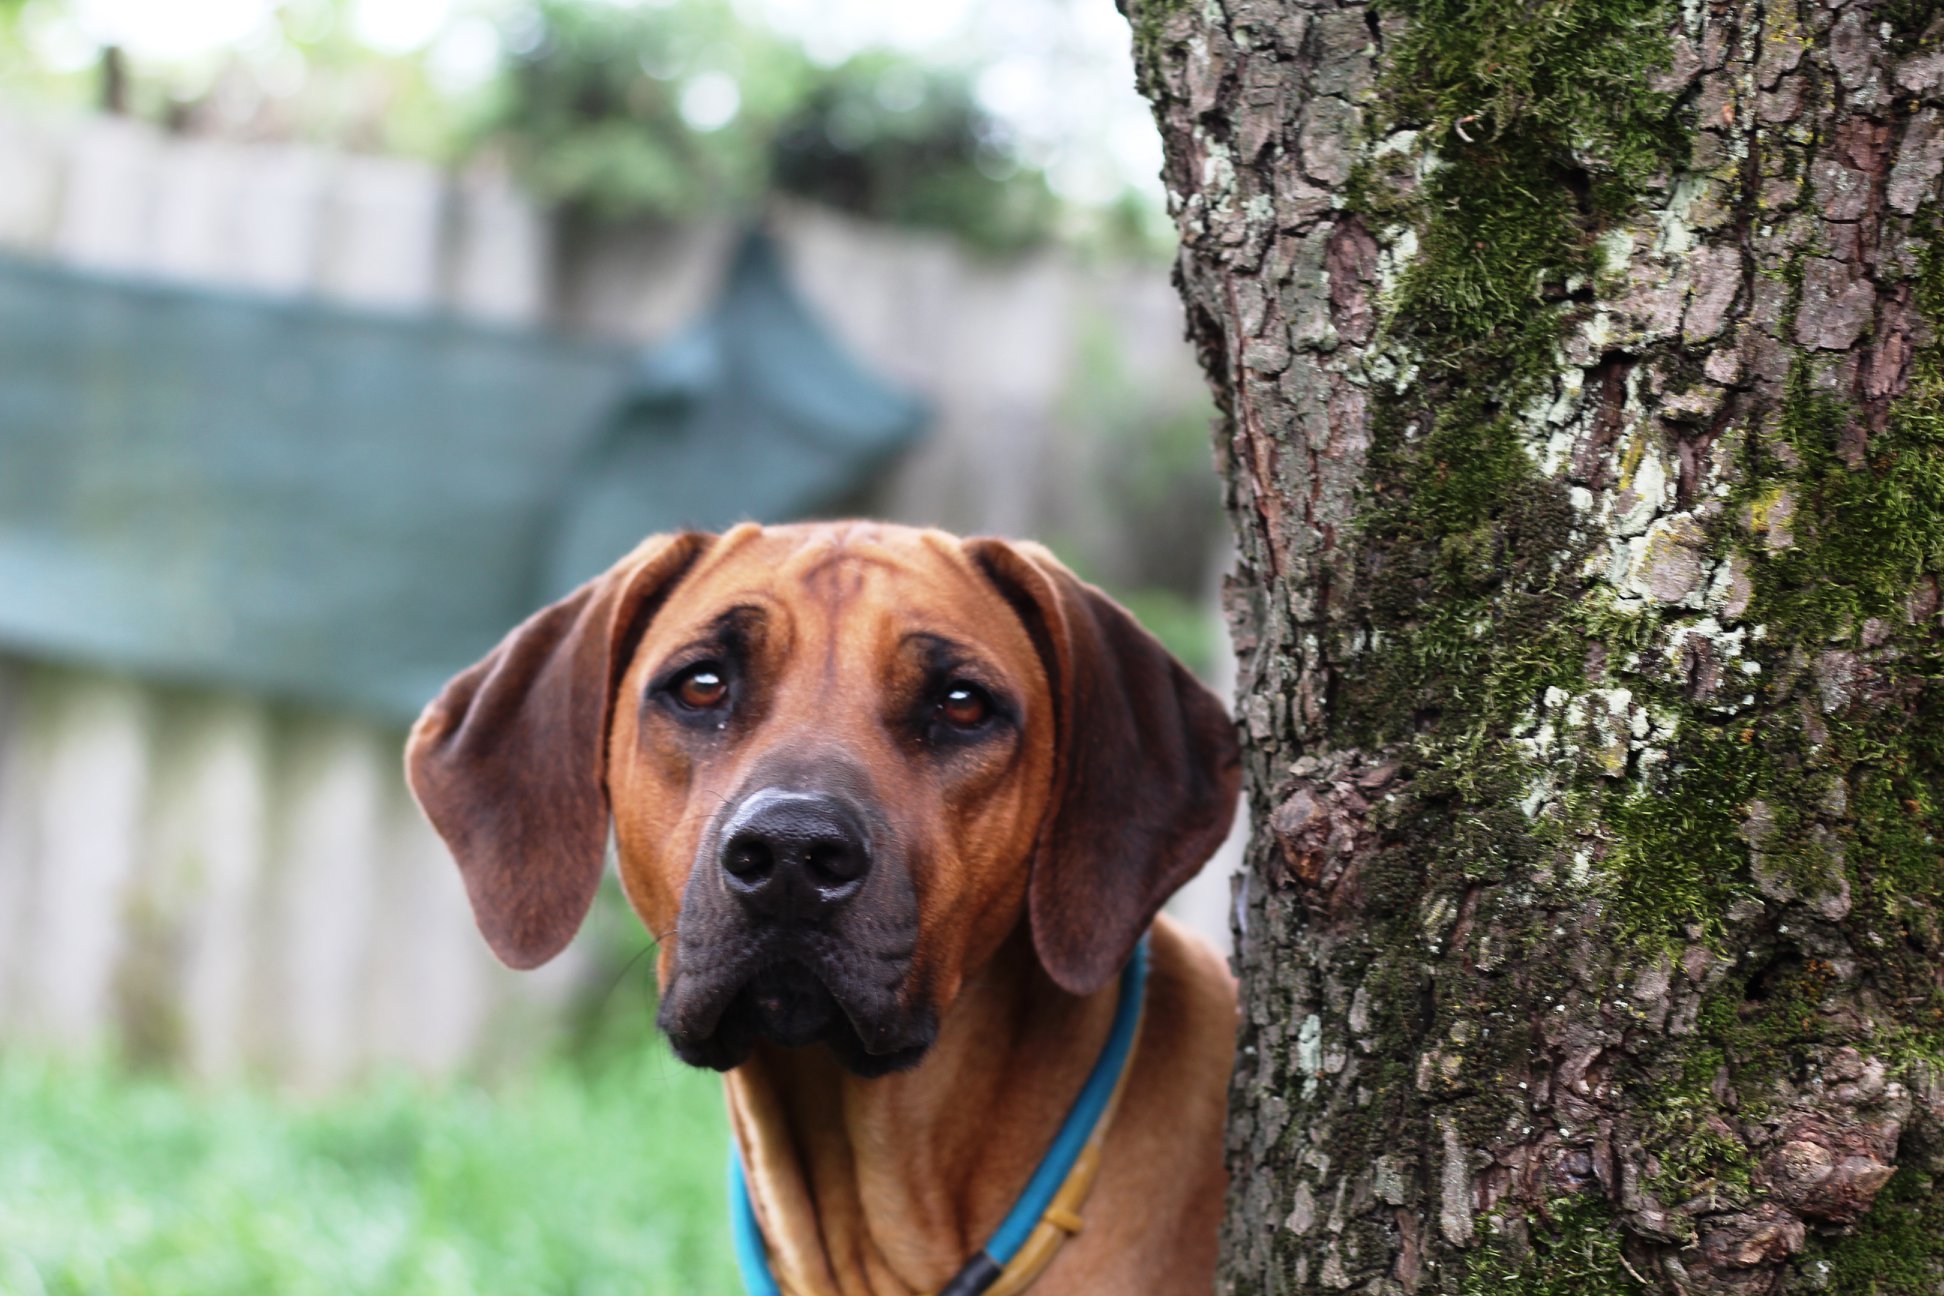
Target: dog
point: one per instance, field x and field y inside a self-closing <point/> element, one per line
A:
<point x="900" y="807"/>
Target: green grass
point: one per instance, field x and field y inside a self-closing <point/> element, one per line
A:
<point x="594" y="1176"/>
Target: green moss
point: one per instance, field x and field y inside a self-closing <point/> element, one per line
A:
<point x="1862" y="535"/>
<point x="1571" y="74"/>
<point x="1149" y="19"/>
<point x="1507" y="237"/>
<point x="1572" y="1248"/>
<point x="1894" y="1251"/>
<point x="1893" y="859"/>
<point x="1867" y="511"/>
<point x="1696" y="1154"/>
<point x="1678" y="856"/>
<point x="1914" y="25"/>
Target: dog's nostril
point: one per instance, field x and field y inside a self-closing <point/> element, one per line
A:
<point x="833" y="863"/>
<point x="748" y="859"/>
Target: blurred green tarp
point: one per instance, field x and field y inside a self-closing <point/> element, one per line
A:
<point x="346" y="507"/>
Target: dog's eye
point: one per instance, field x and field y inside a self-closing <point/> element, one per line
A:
<point x="702" y="687"/>
<point x="965" y="705"/>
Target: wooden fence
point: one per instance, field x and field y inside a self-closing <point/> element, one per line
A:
<point x="241" y="884"/>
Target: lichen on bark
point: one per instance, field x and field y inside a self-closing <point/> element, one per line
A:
<point x="1585" y="434"/>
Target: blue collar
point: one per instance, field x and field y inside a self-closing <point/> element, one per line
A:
<point x="986" y="1265"/>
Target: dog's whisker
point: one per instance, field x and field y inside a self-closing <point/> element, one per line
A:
<point x="622" y="975"/>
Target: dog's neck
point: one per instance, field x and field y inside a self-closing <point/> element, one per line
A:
<point x="885" y="1187"/>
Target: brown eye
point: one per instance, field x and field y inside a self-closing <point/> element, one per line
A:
<point x="965" y="706"/>
<point x="702" y="687"/>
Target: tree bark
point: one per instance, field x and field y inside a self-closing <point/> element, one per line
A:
<point x="1583" y="422"/>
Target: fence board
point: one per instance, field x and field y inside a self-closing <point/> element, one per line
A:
<point x="108" y="202"/>
<point x="430" y="980"/>
<point x="89" y="789"/>
<point x="211" y="832"/>
<point x="429" y="990"/>
<point x="378" y="245"/>
<point x="640" y="283"/>
<point x="197" y="208"/>
<point x="276" y="248"/>
<point x="380" y="237"/>
<point x="16" y="838"/>
<point x="32" y="155"/>
<point x="498" y="268"/>
<point x="324" y="833"/>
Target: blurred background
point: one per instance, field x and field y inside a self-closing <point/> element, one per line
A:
<point x="335" y="336"/>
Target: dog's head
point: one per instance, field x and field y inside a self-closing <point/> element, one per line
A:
<point x="841" y="762"/>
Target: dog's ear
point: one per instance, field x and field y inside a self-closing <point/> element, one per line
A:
<point x="509" y="762"/>
<point x="1144" y="774"/>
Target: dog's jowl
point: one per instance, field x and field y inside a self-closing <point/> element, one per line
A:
<point x="902" y="809"/>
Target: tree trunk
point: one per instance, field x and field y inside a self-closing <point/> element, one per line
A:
<point x="1584" y="430"/>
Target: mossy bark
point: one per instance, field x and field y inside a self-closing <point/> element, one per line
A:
<point x="1583" y="419"/>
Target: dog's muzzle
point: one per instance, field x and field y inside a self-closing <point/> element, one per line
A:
<point x="798" y="925"/>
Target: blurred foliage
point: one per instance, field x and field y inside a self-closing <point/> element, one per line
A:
<point x="304" y="76"/>
<point x="22" y="74"/>
<point x="319" y="82"/>
<point x="598" y="1169"/>
<point x="678" y="109"/>
<point x="673" y="109"/>
<point x="591" y="1176"/>
<point x="1183" y="625"/>
<point x="1150" y="462"/>
<point x="886" y="138"/>
<point x="588" y="105"/>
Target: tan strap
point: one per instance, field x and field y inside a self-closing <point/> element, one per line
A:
<point x="1065" y="1221"/>
<point x="1062" y="1218"/>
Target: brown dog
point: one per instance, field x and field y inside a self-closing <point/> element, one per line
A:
<point x="907" y="797"/>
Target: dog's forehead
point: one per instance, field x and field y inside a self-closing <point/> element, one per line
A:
<point x="824" y="576"/>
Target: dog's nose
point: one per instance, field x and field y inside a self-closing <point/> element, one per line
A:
<point x="790" y="854"/>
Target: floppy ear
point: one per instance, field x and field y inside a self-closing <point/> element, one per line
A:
<point x="509" y="762"/>
<point x="1145" y="769"/>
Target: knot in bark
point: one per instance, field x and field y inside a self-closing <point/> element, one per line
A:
<point x="1741" y="1254"/>
<point x="1321" y="821"/>
<point x="1824" y="1183"/>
